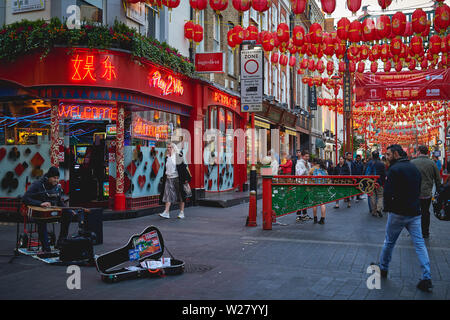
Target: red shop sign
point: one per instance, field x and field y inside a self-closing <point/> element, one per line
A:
<point x="209" y="62"/>
<point x="403" y="86"/>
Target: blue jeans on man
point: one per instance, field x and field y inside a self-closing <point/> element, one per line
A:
<point x="394" y="227"/>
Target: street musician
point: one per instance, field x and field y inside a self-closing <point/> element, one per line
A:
<point x="46" y="192"/>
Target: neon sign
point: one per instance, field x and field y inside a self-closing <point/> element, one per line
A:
<point x="144" y="129"/>
<point x="225" y="100"/>
<point x="83" y="112"/>
<point x="171" y="85"/>
<point x="84" y="69"/>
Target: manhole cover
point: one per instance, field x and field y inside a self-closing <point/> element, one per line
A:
<point x="197" y="268"/>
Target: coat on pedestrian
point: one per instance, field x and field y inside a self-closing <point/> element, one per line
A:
<point x="358" y="167"/>
<point x="430" y="175"/>
<point x="183" y="177"/>
<point x="402" y="188"/>
<point x="376" y="167"/>
<point x="287" y="167"/>
<point x="341" y="170"/>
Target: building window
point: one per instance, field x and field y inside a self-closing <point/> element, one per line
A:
<point x="152" y="23"/>
<point x="266" y="77"/>
<point x="230" y="56"/>
<point x="283" y="87"/>
<point x="275" y="82"/>
<point x="92" y="11"/>
<point x="216" y="33"/>
<point x="201" y="21"/>
<point x="274" y="18"/>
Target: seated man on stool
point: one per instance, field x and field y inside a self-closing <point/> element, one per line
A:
<point x="46" y="192"/>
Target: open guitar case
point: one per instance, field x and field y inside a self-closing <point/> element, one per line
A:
<point x="145" y="247"/>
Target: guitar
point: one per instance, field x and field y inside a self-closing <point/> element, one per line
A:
<point x="37" y="212"/>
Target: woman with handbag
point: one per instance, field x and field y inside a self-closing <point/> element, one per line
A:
<point x="174" y="185"/>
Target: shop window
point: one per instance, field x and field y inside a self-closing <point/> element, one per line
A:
<point x="92" y="10"/>
<point x="24" y="123"/>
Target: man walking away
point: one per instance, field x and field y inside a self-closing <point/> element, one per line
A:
<point x="430" y="175"/>
<point x="302" y="169"/>
<point x="401" y="201"/>
<point x="376" y="168"/>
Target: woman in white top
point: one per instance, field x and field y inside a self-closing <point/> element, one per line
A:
<point x="176" y="174"/>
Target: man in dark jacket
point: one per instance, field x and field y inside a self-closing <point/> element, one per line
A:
<point x="376" y="168"/>
<point x="46" y="192"/>
<point x="430" y="176"/>
<point x="401" y="200"/>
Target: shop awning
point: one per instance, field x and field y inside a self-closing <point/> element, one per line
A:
<point x="320" y="143"/>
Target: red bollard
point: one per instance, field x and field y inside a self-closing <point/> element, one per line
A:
<point x="251" y="222"/>
<point x="267" y="202"/>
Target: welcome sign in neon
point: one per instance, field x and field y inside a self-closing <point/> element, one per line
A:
<point x="87" y="112"/>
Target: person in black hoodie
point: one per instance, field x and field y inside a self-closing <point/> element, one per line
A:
<point x="46" y="192"/>
<point x="342" y="169"/>
<point x="401" y="200"/>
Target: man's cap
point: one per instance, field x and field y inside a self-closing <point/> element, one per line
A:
<point x="52" y="172"/>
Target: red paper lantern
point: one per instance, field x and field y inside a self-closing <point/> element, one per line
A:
<point x="253" y="32"/>
<point x="442" y="15"/>
<point x="374" y="67"/>
<point x="330" y="67"/>
<point x="352" y="67"/>
<point x="218" y="5"/>
<point x="339" y="50"/>
<point x="241" y="5"/>
<point x="419" y="21"/>
<point x="283" y="32"/>
<point x="304" y="64"/>
<point x="361" y="67"/>
<point x="398" y="66"/>
<point x="369" y="30"/>
<point x="354" y="31"/>
<point x="261" y="5"/>
<point x="376" y="51"/>
<point x="298" y="6"/>
<point x="354" y="5"/>
<point x="426" y="33"/>
<point x="292" y="61"/>
<point x="311" y="65"/>
<point x="364" y="52"/>
<point x="268" y="42"/>
<point x="412" y="65"/>
<point x="329" y="45"/>
<point x="398" y="24"/>
<point x="328" y="6"/>
<point x="198" y="33"/>
<point x="387" y="66"/>
<point x="384" y="3"/>
<point x="383" y="27"/>
<point x="189" y="30"/>
<point x="342" y="28"/>
<point x="408" y="29"/>
<point x="298" y="36"/>
<point x="171" y="4"/>
<point x="283" y="60"/>
<point x="320" y="66"/>
<point x="198" y="4"/>
<point x="396" y="46"/>
<point x="239" y="32"/>
<point x="435" y="44"/>
<point x="316" y="33"/>
<point x="231" y="35"/>
<point x="275" y="57"/>
<point x="417" y="45"/>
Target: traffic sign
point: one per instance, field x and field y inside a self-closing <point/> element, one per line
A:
<point x="251" y="91"/>
<point x="251" y="80"/>
<point x="251" y="107"/>
<point x="252" y="64"/>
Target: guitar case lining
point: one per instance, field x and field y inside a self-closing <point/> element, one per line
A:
<point x="148" y="245"/>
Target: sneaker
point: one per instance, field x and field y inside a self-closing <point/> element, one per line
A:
<point x="425" y="285"/>
<point x="383" y="273"/>
<point x="181" y="215"/>
<point x="305" y="217"/>
<point x="165" y="215"/>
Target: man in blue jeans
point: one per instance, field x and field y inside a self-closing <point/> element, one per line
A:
<point x="401" y="200"/>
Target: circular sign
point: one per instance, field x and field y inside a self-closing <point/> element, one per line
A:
<point x="251" y="66"/>
<point x="246" y="107"/>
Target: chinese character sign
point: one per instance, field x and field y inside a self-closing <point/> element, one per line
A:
<point x="90" y="68"/>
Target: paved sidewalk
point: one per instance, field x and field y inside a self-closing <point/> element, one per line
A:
<point x="226" y="260"/>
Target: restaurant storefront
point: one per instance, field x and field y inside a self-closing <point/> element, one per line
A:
<point x="105" y="121"/>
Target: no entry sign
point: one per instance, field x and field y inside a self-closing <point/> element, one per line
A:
<point x="251" y="80"/>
